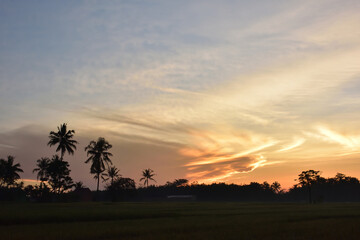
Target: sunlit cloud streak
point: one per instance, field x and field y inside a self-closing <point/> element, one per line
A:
<point x="296" y="143"/>
<point x="217" y="159"/>
<point x="226" y="170"/>
<point x="348" y="141"/>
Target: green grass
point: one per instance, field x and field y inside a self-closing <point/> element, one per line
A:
<point x="179" y="221"/>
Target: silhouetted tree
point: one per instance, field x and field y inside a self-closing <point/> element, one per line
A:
<point x="79" y="185"/>
<point x="59" y="175"/>
<point x="276" y="187"/>
<point x="121" y="184"/>
<point x="147" y="174"/>
<point x="42" y="167"/>
<point x="9" y="172"/>
<point x="37" y="193"/>
<point x="2" y="172"/>
<point x="63" y="138"/>
<point x="265" y="185"/>
<point x="112" y="173"/>
<point x="339" y="177"/>
<point x="98" y="154"/>
<point x="177" y="183"/>
<point x="308" y="178"/>
<point x="342" y="178"/>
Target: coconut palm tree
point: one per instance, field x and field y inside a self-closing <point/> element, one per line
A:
<point x="275" y="187"/>
<point x="147" y="175"/>
<point x="79" y="185"/>
<point x="9" y="172"/>
<point x="63" y="138"/>
<point x="112" y="173"/>
<point x="98" y="154"/>
<point x="42" y="169"/>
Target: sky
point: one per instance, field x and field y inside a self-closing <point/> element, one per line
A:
<point x="211" y="91"/>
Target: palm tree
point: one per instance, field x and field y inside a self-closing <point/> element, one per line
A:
<point x="79" y="185"/>
<point x="276" y="187"/>
<point x="112" y="174"/>
<point x="9" y="171"/>
<point x="147" y="175"/>
<point x="98" y="154"/>
<point x="63" y="138"/>
<point x="42" y="169"/>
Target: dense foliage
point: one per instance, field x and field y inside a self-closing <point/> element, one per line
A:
<point x="9" y="172"/>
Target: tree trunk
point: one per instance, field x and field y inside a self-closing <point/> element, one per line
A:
<point x="62" y="156"/>
<point x="97" y="188"/>
<point x="98" y="181"/>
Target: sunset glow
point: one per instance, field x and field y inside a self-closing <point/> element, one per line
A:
<point x="210" y="91"/>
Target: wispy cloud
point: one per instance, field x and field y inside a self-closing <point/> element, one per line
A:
<point x="223" y="171"/>
<point x="348" y="141"/>
<point x="296" y="143"/>
<point x="6" y="146"/>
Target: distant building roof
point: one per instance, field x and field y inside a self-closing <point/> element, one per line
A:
<point x="181" y="197"/>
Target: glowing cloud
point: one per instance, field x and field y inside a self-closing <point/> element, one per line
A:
<point x="296" y="143"/>
<point x="352" y="142"/>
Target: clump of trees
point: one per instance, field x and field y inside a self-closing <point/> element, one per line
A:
<point x="55" y="171"/>
<point x="307" y="179"/>
<point x="318" y="189"/>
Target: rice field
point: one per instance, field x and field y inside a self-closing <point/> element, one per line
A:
<point x="169" y="220"/>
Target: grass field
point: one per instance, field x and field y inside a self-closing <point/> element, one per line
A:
<point x="179" y="221"/>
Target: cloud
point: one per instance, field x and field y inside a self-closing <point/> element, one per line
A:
<point x="146" y="140"/>
<point x="6" y="146"/>
<point x="348" y="141"/>
<point x="223" y="171"/>
<point x="209" y="159"/>
<point x="296" y="143"/>
<point x="195" y="144"/>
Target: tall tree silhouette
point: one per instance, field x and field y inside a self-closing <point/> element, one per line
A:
<point x="308" y="178"/>
<point x="42" y="169"/>
<point x="63" y="138"/>
<point x="9" y="172"/>
<point x="147" y="174"/>
<point x="98" y="154"/>
<point x="112" y="173"/>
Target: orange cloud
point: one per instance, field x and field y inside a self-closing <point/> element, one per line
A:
<point x="221" y="171"/>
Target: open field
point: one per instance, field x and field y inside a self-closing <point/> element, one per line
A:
<point x="179" y="221"/>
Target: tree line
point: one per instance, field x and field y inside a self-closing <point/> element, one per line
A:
<point x="55" y="171"/>
<point x="56" y="182"/>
